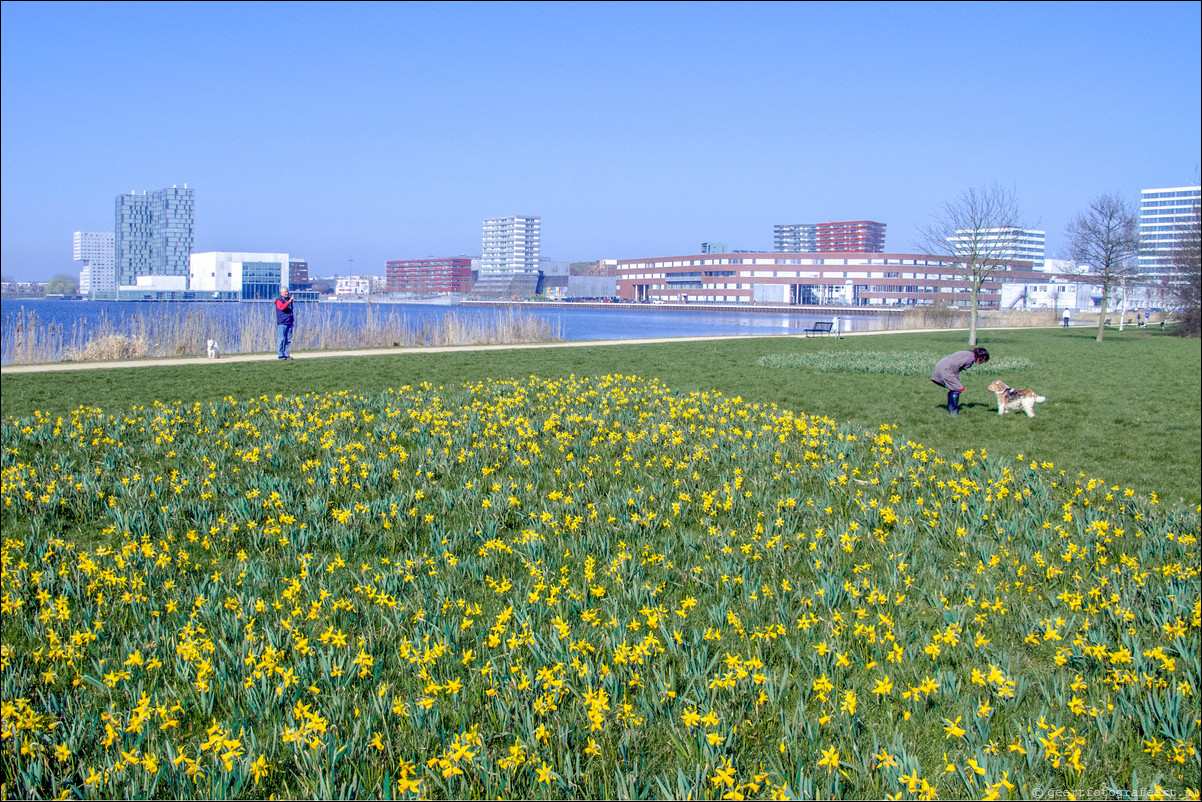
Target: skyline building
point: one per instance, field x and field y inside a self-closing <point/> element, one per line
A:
<point x="453" y="274"/>
<point x="95" y="250"/>
<point x="851" y="236"/>
<point x="846" y="236"/>
<point x="153" y="234"/>
<point x="1006" y="243"/>
<point x="1163" y="213"/>
<point x="251" y="276"/>
<point x="795" y="238"/>
<point x="510" y="245"/>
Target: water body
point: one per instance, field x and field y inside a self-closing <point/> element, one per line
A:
<point x="619" y="322"/>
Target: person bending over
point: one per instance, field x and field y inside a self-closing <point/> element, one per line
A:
<point x="947" y="374"/>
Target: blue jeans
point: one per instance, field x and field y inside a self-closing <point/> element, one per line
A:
<point x="283" y="339"/>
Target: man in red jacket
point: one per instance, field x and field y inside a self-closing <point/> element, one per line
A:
<point x="284" y="321"/>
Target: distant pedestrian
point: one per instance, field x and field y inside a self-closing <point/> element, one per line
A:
<point x="947" y="374"/>
<point x="285" y="319"/>
<point x="1066" y="317"/>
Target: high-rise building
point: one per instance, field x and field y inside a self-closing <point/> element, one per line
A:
<point x="1163" y="214"/>
<point x="153" y="234"/>
<point x="95" y="250"/>
<point x="510" y="245"/>
<point x="795" y="238"/>
<point x="1004" y="243"/>
<point x="852" y="236"/>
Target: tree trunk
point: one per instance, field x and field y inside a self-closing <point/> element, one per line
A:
<point x="1102" y="314"/>
<point x="972" y="316"/>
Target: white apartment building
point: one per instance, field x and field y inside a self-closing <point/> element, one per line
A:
<point x="510" y="245"/>
<point x="1162" y="215"/>
<point x="95" y="250"/>
<point x="353" y="286"/>
<point x="252" y="275"/>
<point x="1005" y="243"/>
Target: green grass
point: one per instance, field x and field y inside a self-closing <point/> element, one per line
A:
<point x="1126" y="410"/>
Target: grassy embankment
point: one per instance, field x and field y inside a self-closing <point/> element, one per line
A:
<point x="1126" y="410"/>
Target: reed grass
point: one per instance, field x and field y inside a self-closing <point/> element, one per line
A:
<point x="29" y="339"/>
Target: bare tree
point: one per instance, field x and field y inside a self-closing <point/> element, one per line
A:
<point x="1186" y="284"/>
<point x="1104" y="244"/>
<point x="980" y="231"/>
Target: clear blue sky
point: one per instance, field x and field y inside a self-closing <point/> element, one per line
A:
<point x="375" y="132"/>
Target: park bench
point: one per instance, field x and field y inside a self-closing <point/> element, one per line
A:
<point x="820" y="328"/>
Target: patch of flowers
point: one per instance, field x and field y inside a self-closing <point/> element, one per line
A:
<point x="586" y="588"/>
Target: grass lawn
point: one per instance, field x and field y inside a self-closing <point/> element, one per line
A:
<point x="1126" y="411"/>
<point x="649" y="579"/>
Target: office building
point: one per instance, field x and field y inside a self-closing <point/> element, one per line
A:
<point x="804" y="279"/>
<point x="1003" y="243"/>
<point x="298" y="273"/>
<point x="510" y="245"/>
<point x="246" y="276"/>
<point x="153" y="234"/>
<point x="1163" y="215"/>
<point x="795" y="238"/>
<point x="429" y="275"/>
<point x="714" y="247"/>
<point x="98" y="274"/>
<point x="851" y="236"/>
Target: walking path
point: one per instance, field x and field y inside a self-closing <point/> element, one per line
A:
<point x="54" y="367"/>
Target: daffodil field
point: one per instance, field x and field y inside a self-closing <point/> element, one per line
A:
<point x="581" y="588"/>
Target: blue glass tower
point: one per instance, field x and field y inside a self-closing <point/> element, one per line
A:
<point x="153" y="233"/>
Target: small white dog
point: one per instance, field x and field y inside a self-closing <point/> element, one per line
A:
<point x="1009" y="398"/>
<point x="214" y="350"/>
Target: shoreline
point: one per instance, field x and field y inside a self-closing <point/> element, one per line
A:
<point x="63" y="367"/>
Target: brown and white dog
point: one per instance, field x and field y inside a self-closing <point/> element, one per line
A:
<point x="1009" y="398"/>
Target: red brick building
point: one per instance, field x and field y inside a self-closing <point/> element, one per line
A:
<point x="429" y="275"/>
<point x="853" y="236"/>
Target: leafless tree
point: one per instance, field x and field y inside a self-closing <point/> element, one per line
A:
<point x="1104" y="244"/>
<point x="1186" y="285"/>
<point x="979" y="231"/>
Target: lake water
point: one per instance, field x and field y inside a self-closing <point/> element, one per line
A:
<point x="621" y="321"/>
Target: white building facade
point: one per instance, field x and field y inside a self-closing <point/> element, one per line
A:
<point x="95" y="250"/>
<point x="251" y="275"/>
<point x="511" y="245"/>
<point x="1004" y="243"/>
<point x="1162" y="215"/>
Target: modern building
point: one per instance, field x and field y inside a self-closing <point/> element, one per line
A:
<point x="1050" y="287"/>
<point x="714" y="247"/>
<point x="153" y="234"/>
<point x="246" y="276"/>
<point x="510" y="245"/>
<point x="452" y="274"/>
<point x="298" y="273"/>
<point x="854" y="236"/>
<point x="816" y="278"/>
<point x="354" y="286"/>
<point x="850" y="236"/>
<point x="795" y="238"/>
<point x="1163" y="215"/>
<point x="98" y="274"/>
<point x="1003" y="243"/>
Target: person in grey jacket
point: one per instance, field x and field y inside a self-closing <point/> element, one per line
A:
<point x="947" y="374"/>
